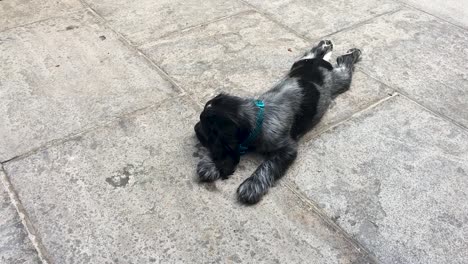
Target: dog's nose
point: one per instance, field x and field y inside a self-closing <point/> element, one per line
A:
<point x="199" y="133"/>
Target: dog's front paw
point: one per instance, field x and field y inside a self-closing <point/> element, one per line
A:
<point x="322" y="48"/>
<point x="251" y="191"/>
<point x="207" y="171"/>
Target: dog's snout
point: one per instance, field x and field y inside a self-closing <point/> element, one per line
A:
<point x="199" y="133"/>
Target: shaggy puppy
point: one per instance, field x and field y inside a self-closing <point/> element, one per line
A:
<point x="272" y="123"/>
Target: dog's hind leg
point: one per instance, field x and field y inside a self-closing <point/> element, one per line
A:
<point x="264" y="177"/>
<point x="342" y="74"/>
<point x="322" y="50"/>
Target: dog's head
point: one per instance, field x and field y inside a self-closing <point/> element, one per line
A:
<point x="221" y="127"/>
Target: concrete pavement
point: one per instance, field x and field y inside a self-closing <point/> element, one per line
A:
<point x="98" y="155"/>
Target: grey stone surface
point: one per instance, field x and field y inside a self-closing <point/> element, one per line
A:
<point x="66" y="74"/>
<point x="105" y="154"/>
<point x="20" y="12"/>
<point x="316" y="19"/>
<point x="146" y="20"/>
<point x="418" y="54"/>
<point x="244" y="54"/>
<point x="128" y="193"/>
<point x="15" y="246"/>
<point x="455" y="11"/>
<point x="364" y="92"/>
<point x="395" y="177"/>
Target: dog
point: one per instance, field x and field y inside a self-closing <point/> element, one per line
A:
<point x="272" y="123"/>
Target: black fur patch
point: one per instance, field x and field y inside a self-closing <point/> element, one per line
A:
<point x="309" y="72"/>
<point x="221" y="130"/>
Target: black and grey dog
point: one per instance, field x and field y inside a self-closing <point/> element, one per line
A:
<point x="272" y="123"/>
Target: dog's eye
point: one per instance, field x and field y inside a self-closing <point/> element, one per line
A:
<point x="208" y="105"/>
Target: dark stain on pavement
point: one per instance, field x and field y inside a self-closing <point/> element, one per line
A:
<point x="71" y="27"/>
<point x="121" y="177"/>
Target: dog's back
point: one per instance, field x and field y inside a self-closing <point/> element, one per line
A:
<point x="314" y="77"/>
<point x="298" y="102"/>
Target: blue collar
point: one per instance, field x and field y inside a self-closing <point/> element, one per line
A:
<point x="244" y="146"/>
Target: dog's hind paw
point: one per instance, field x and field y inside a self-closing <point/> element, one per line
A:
<point x="351" y="57"/>
<point x="251" y="191"/>
<point x="356" y="53"/>
<point x="207" y="171"/>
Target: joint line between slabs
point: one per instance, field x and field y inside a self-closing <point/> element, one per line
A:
<point x="24" y="218"/>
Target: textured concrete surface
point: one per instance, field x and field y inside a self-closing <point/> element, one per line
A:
<point x="455" y="11"/>
<point x="146" y="20"/>
<point x="418" y="55"/>
<point x="15" y="246"/>
<point x="364" y="93"/>
<point x="315" y="19"/>
<point x="396" y="179"/>
<point x="64" y="75"/>
<point x="97" y="105"/>
<point x="21" y="12"/>
<point x="244" y="54"/>
<point x="127" y="193"/>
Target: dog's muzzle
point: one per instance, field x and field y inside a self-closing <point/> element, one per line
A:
<point x="200" y="135"/>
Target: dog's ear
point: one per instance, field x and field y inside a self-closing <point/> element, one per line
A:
<point x="226" y="107"/>
<point x="215" y="125"/>
<point x="218" y="122"/>
<point x="223" y="123"/>
<point x="224" y="102"/>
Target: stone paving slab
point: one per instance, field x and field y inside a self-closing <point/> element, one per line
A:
<point x="364" y="92"/>
<point x="394" y="177"/>
<point x="316" y="19"/>
<point x="455" y="11"/>
<point x="245" y="55"/>
<point x="128" y="193"/>
<point x="15" y="246"/>
<point x="19" y="12"/>
<point x="66" y="74"/>
<point x="418" y="54"/>
<point x="146" y="20"/>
